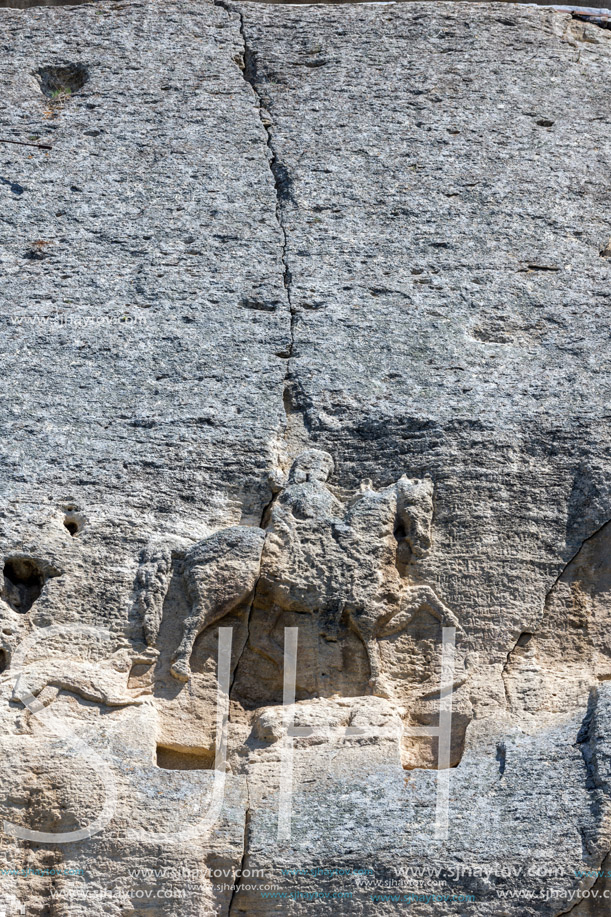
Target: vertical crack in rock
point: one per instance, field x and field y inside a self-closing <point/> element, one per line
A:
<point x="262" y="524"/>
<point x="282" y="186"/>
<point x="238" y="879"/>
<point x="248" y="620"/>
<point x="594" y="784"/>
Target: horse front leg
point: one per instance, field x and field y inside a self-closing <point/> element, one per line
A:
<point x="207" y="607"/>
<point x="365" y="632"/>
<point x="180" y="668"/>
<point x="210" y="603"/>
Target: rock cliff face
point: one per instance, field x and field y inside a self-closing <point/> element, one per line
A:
<point x="305" y="597"/>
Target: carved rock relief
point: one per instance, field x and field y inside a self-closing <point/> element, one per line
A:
<point x="344" y="572"/>
<point x="342" y="564"/>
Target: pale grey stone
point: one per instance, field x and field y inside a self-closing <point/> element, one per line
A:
<point x="326" y="287"/>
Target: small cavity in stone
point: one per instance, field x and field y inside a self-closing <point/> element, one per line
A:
<point x="72" y="524"/>
<point x="59" y="83"/>
<point x="24" y="579"/>
<point x="172" y="760"/>
<point x="501" y="757"/>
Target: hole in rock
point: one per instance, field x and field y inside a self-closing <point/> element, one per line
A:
<point x="59" y="83"/>
<point x="24" y="579"/>
<point x="74" y="521"/>
<point x="404" y="551"/>
<point x="524" y="639"/>
<point x="172" y="760"/>
<point x="3" y="662"/>
<point x="72" y="524"/>
<point x="141" y="675"/>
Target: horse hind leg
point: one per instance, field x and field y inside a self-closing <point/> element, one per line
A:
<point x="378" y="682"/>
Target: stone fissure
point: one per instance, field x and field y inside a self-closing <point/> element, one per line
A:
<point x="572" y="558"/>
<point x="282" y="185"/>
<point x="248" y="619"/>
<point x="282" y="192"/>
<point x="238" y="880"/>
<point x="265" y="513"/>
<point x="533" y="630"/>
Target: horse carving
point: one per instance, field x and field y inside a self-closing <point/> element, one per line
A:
<point x="319" y="555"/>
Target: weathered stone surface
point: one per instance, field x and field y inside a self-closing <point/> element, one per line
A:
<point x="136" y="352"/>
<point x="305" y="325"/>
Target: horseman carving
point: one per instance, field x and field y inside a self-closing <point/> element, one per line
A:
<point x="349" y="560"/>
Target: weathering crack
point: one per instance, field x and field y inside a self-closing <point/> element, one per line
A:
<point x="250" y="610"/>
<point x="247" y="66"/>
<point x="282" y="186"/>
<point x="572" y="558"/>
<point x="601" y="18"/>
<point x="532" y="631"/>
<point x="238" y="879"/>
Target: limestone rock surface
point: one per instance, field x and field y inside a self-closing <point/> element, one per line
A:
<point x="306" y="363"/>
